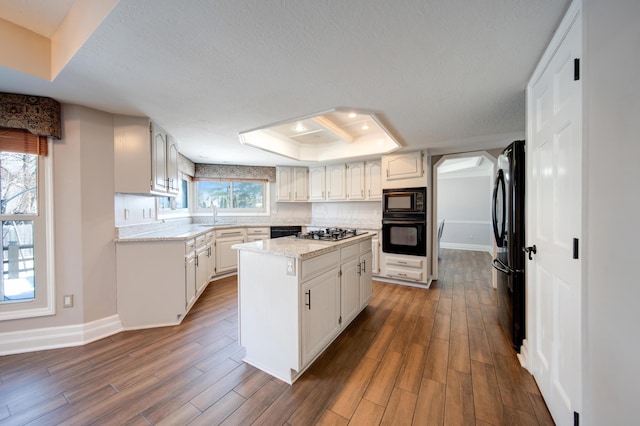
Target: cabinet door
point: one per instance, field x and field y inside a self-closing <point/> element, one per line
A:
<point x="226" y="257"/>
<point x="403" y="166"/>
<point x="355" y="181"/>
<point x="300" y="185"/>
<point x="366" y="277"/>
<point x="158" y="159"/>
<point x="284" y="178"/>
<point x="350" y="289"/>
<point x="373" y="184"/>
<point x="375" y="256"/>
<point x="173" y="174"/>
<point x="211" y="259"/>
<point x="336" y="185"/>
<point x="202" y="277"/>
<point x="190" y="279"/>
<point x="316" y="183"/>
<point x="320" y="306"/>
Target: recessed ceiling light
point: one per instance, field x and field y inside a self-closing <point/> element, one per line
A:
<point x="299" y="127"/>
<point x="365" y="127"/>
<point x="352" y="115"/>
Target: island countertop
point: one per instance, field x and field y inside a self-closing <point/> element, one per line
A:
<point x="298" y="248"/>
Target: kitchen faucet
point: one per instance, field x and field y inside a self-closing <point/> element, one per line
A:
<point x="214" y="212"/>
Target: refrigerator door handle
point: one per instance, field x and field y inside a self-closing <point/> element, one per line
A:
<point x="500" y="266"/>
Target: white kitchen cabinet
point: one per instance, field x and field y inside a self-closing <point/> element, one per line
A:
<point x="211" y="254"/>
<point x="291" y="183"/>
<point x="405" y="170"/>
<point x="350" y="281"/>
<point x="336" y="182"/>
<point x="202" y="265"/>
<point x="372" y="180"/>
<point x="320" y="313"/>
<point x="190" y="274"/>
<point x="366" y="273"/>
<point x="258" y="233"/>
<point x="317" y="183"/>
<point x="405" y="267"/>
<point x="226" y="257"/>
<point x="356" y="181"/>
<point x="375" y="255"/>
<point x="145" y="157"/>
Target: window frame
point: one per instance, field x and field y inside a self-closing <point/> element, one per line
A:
<point x="169" y="213"/>
<point x="199" y="211"/>
<point x="44" y="263"/>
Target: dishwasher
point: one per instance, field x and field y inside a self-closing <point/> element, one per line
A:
<point x="285" y="231"/>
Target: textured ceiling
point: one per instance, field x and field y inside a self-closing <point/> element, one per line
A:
<point x="447" y="76"/>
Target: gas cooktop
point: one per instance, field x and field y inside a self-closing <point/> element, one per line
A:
<point x="330" y="234"/>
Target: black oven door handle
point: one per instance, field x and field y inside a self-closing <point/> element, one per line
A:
<point x="401" y="222"/>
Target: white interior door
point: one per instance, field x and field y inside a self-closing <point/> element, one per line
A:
<point x="554" y="208"/>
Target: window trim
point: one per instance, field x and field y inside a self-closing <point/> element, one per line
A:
<point x="26" y="309"/>
<point x="198" y="211"/>
<point x="162" y="213"/>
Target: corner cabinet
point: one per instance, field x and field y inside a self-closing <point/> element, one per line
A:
<point x="226" y="257"/>
<point x="145" y="157"/>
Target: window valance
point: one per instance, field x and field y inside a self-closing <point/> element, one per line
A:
<point x="38" y="115"/>
<point x="227" y="171"/>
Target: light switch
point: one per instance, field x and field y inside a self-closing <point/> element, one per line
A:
<point x="68" y="301"/>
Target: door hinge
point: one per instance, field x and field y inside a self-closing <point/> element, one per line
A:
<point x="576" y="419"/>
<point x="576" y="69"/>
<point x="575" y="248"/>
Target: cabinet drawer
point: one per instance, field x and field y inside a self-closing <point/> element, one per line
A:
<point x="200" y="240"/>
<point x="416" y="262"/>
<point x="258" y="231"/>
<point x="209" y="236"/>
<point x="317" y="265"/>
<point x="406" y="274"/>
<point x="233" y="232"/>
<point x="349" y="252"/>
<point x="365" y="246"/>
<point x="190" y="246"/>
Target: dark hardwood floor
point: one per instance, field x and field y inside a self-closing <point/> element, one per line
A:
<point x="414" y="356"/>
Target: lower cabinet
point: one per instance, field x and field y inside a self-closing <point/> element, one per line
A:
<point x="320" y="313"/>
<point x="226" y="257"/>
<point x="405" y="267"/>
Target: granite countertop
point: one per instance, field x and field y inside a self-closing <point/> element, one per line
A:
<point x="178" y="233"/>
<point x="296" y="247"/>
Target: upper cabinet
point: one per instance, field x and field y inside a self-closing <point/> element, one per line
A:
<point x="145" y="157"/>
<point x="291" y="184"/>
<point x="404" y="170"/>
<point x="372" y="176"/>
<point x="357" y="181"/>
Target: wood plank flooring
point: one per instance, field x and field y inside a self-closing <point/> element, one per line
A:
<point x="413" y="357"/>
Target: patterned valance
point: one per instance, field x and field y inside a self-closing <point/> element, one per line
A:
<point x="38" y="115"/>
<point x="227" y="171"/>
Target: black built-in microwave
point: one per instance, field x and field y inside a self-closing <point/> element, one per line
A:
<point x="404" y="203"/>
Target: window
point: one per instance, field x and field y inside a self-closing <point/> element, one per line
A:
<point x="232" y="196"/>
<point x="25" y="287"/>
<point x="178" y="205"/>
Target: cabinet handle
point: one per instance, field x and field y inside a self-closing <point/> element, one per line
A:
<point x="401" y="274"/>
<point x="197" y="261"/>
<point x="369" y="193"/>
<point x="308" y="293"/>
<point x="361" y="193"/>
<point x="359" y="268"/>
<point x="364" y="266"/>
<point x="401" y="262"/>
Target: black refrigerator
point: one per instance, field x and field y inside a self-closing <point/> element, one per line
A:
<point x="509" y="227"/>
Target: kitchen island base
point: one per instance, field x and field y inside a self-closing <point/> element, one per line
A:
<point x="292" y="307"/>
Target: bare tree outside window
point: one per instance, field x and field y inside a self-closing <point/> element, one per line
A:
<point x="19" y="202"/>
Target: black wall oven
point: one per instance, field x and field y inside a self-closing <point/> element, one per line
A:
<point x="404" y="221"/>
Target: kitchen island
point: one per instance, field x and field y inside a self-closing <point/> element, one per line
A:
<point x="296" y="296"/>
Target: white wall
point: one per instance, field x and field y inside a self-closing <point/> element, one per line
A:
<point x="612" y="172"/>
<point x="465" y="204"/>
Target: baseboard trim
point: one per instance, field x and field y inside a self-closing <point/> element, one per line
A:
<point x="40" y="339"/>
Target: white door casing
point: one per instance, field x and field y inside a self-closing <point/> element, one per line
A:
<point x="554" y="210"/>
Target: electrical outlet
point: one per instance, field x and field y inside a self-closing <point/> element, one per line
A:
<point x="291" y="266"/>
<point x="68" y="301"/>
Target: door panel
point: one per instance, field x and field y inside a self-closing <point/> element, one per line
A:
<point x="555" y="176"/>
